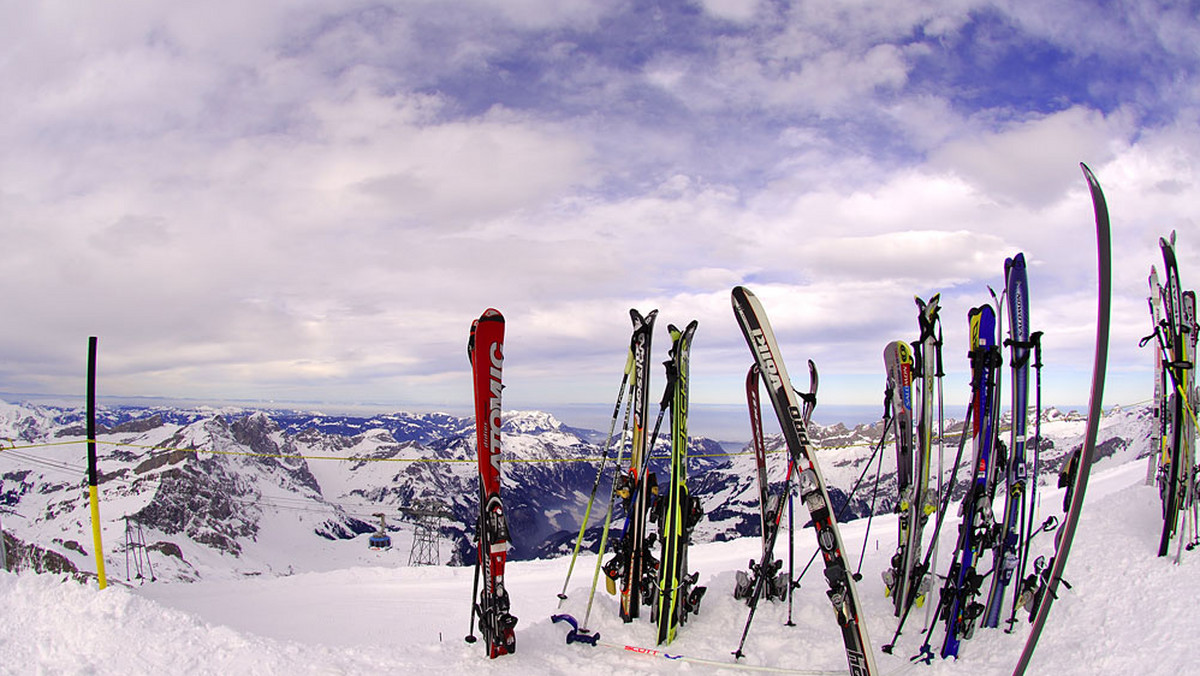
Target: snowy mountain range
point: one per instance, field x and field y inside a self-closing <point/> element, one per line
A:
<point x="212" y="493"/>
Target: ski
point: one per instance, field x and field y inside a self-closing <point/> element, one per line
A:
<point x="927" y="373"/>
<point x="926" y="652"/>
<point x="960" y="609"/>
<point x="1053" y="577"/>
<point x="577" y="635"/>
<point x="764" y="578"/>
<point x="631" y="563"/>
<point x="679" y="511"/>
<point x="1158" y="434"/>
<point x="1172" y="339"/>
<point x="1008" y="557"/>
<point x="742" y="588"/>
<point x="898" y="362"/>
<point x="486" y="352"/>
<point x="1188" y="442"/>
<point x="842" y="593"/>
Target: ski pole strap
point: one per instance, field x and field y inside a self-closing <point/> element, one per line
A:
<point x="1146" y="339"/>
<point x="669" y="390"/>
<point x="1027" y="345"/>
<point x="927" y="325"/>
<point x="937" y="349"/>
<point x="809" y="398"/>
<point x="574" y="635"/>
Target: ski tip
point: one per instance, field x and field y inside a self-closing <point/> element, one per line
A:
<point x="639" y="319"/>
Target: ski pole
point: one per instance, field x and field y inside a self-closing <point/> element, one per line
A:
<point x="962" y="442"/>
<point x="470" y="637"/>
<point x="562" y="596"/>
<point x="593" y="640"/>
<point x="853" y="490"/>
<point x="791" y="558"/>
<point x="608" y="514"/>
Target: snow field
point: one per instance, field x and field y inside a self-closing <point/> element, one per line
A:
<point x="1128" y="612"/>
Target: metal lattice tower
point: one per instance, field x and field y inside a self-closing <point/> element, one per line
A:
<point x="135" y="546"/>
<point x="426" y="516"/>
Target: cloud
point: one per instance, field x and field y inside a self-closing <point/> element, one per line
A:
<point x="313" y="201"/>
<point x="738" y="11"/>
<point x="1024" y="160"/>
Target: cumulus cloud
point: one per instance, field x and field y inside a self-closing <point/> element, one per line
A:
<point x="1032" y="160"/>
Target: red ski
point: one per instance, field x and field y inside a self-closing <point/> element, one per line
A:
<point x="491" y="605"/>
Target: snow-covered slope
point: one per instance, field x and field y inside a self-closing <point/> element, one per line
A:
<point x="231" y="492"/>
<point x="1127" y="612"/>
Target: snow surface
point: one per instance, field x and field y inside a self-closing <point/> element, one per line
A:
<point x="1129" y="612"/>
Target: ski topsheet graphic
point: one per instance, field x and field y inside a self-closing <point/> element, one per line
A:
<point x="898" y="361"/>
<point x="963" y="584"/>
<point x="842" y="594"/>
<point x="1010" y="552"/>
<point x="677" y="511"/>
<point x="632" y="563"/>
<point x="486" y="351"/>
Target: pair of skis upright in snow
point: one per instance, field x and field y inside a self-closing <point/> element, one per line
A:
<point x="1173" y="313"/>
<point x="1008" y="541"/>
<point x="663" y="583"/>
<point x="906" y="580"/>
<point x="491" y="604"/>
<point x="765" y="579"/>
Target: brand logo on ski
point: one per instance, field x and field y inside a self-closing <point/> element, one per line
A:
<point x="494" y="420"/>
<point x="769" y="369"/>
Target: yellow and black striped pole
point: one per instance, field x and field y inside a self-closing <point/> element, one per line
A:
<point x="91" y="446"/>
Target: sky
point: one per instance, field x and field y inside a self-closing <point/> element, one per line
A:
<point x="310" y="201"/>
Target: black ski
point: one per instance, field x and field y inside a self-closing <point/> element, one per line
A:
<point x="632" y="563"/>
<point x="679" y="511"/>
<point x="1053" y="577"/>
